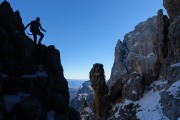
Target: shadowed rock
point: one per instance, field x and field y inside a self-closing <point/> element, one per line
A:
<point x="101" y="103"/>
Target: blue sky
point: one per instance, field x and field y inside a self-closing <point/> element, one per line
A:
<point x="86" y="31"/>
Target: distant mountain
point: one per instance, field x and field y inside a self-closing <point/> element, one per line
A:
<point x="73" y="83"/>
<point x="85" y="91"/>
<point x="145" y="77"/>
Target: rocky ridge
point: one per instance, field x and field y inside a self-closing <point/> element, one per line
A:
<point x="32" y="84"/>
<point x="145" y="77"/>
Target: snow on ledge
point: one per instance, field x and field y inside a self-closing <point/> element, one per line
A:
<point x="2" y="75"/>
<point x="176" y="65"/>
<point x="174" y="89"/>
<point x="37" y="74"/>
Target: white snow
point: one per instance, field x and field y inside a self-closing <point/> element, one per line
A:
<point x="88" y="109"/>
<point x="2" y="75"/>
<point x="149" y="106"/>
<point x="117" y="113"/>
<point x="134" y="92"/>
<point x="82" y="95"/>
<point x="174" y="89"/>
<point x="11" y="100"/>
<point x="50" y="115"/>
<point x="90" y="87"/>
<point x="37" y="74"/>
<point x="175" y="65"/>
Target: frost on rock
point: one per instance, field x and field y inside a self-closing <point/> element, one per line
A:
<point x="134" y="92"/>
<point x="175" y="65"/>
<point x="37" y="74"/>
<point x="147" y="108"/>
<point x="87" y="113"/>
<point x="174" y="89"/>
<point x="82" y="95"/>
<point x="2" y="75"/>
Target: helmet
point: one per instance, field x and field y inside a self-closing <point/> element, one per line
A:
<point x="37" y="19"/>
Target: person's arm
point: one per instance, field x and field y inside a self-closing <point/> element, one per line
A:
<point x="41" y="28"/>
<point x="27" y="26"/>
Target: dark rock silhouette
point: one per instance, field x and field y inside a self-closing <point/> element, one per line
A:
<point x="31" y="75"/>
<point x="173" y="8"/>
<point x="161" y="41"/>
<point x="101" y="103"/>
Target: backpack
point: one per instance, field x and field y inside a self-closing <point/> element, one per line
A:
<point x="34" y="27"/>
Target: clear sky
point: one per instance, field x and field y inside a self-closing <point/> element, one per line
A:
<point x="86" y="31"/>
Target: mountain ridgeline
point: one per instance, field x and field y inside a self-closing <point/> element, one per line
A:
<point x="145" y="77"/>
<point x="144" y="82"/>
<point x="32" y="84"/>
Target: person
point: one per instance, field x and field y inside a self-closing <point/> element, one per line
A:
<point x="34" y="28"/>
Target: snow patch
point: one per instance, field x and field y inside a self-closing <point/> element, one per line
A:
<point x="82" y="95"/>
<point x="11" y="100"/>
<point x="117" y="113"/>
<point x="90" y="87"/>
<point x="175" y="65"/>
<point x="134" y="92"/>
<point x="149" y="107"/>
<point x="88" y="110"/>
<point x="2" y="75"/>
<point x="37" y="74"/>
<point x="174" y="89"/>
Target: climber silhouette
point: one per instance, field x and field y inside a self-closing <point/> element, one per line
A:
<point x="34" y="28"/>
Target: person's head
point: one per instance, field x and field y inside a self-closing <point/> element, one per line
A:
<point x="37" y="19"/>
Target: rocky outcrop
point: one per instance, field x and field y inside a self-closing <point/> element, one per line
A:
<point x="131" y="88"/>
<point x="119" y="68"/>
<point x="136" y="53"/>
<point x="152" y="53"/>
<point x="161" y="41"/>
<point x="101" y="103"/>
<point x="170" y="100"/>
<point x="173" y="8"/>
<point x="31" y="77"/>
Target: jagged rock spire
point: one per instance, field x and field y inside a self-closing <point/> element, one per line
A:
<point x="101" y="103"/>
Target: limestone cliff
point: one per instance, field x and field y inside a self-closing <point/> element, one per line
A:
<point x="32" y="84"/>
<point x="145" y="78"/>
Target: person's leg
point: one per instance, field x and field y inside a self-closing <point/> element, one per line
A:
<point x="41" y="37"/>
<point x="35" y="38"/>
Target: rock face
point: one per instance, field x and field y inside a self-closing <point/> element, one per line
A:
<point x="171" y="100"/>
<point x="148" y="56"/>
<point x="173" y="8"/>
<point x="161" y="41"/>
<point x="31" y="77"/>
<point x="131" y="88"/>
<point x="136" y="53"/>
<point x="101" y="103"/>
